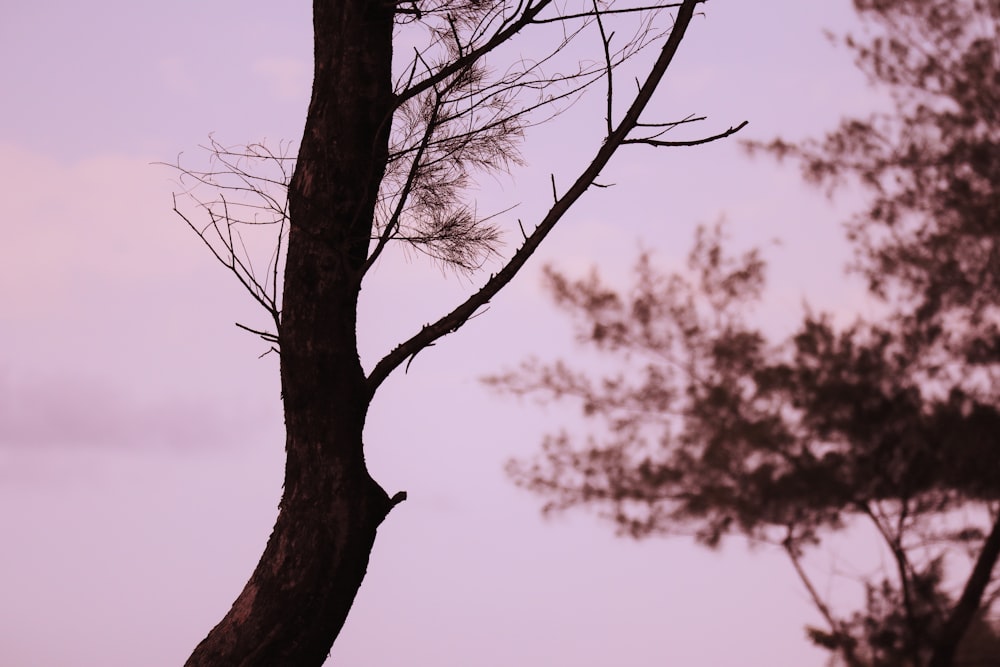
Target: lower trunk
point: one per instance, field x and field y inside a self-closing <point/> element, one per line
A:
<point x="295" y="604"/>
<point x="969" y="603"/>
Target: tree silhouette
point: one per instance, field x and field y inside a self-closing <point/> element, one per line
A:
<point x="391" y="140"/>
<point x="714" y="429"/>
<point x="709" y="429"/>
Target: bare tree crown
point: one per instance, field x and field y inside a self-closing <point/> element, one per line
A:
<point x="456" y="116"/>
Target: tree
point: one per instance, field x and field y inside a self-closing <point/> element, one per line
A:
<point x="709" y="429"/>
<point x="388" y="147"/>
<point x="717" y="430"/>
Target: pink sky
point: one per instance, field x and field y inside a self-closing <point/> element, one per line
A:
<point x="141" y="438"/>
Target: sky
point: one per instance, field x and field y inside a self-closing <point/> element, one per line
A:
<point x="141" y="436"/>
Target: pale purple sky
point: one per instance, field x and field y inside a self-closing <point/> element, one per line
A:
<point x="141" y="438"/>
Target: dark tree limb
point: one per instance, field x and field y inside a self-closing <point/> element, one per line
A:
<point x="694" y="142"/>
<point x="457" y="317"/>
<point x="969" y="602"/>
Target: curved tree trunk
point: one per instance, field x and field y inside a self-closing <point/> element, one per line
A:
<point x="297" y="599"/>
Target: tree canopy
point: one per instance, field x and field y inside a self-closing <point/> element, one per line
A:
<point x="714" y="429"/>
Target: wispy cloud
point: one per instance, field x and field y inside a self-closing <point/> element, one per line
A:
<point x="74" y="410"/>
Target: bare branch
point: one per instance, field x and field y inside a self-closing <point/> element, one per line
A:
<point x="393" y="223"/>
<point x="266" y="335"/>
<point x="606" y="47"/>
<point x="457" y="317"/>
<point x="597" y="12"/>
<point x="478" y="119"/>
<point x="694" y="142"/>
<point x="249" y="195"/>
<point x="529" y="13"/>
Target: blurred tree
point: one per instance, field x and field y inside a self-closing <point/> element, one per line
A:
<point x="710" y="430"/>
<point x="714" y="429"/>
<point x="391" y="141"/>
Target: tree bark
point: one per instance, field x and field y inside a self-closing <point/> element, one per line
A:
<point x="298" y="597"/>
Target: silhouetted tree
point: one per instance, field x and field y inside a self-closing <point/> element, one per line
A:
<point x="716" y="430"/>
<point x="391" y="140"/>
<point x="710" y="429"/>
<point x="929" y="241"/>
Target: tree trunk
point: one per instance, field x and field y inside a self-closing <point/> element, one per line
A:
<point x="969" y="603"/>
<point x="297" y="599"/>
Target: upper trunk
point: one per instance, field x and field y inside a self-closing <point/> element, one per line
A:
<point x="298" y="597"/>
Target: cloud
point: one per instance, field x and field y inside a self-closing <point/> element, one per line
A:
<point x="106" y="217"/>
<point x="74" y="410"/>
<point x="117" y="324"/>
